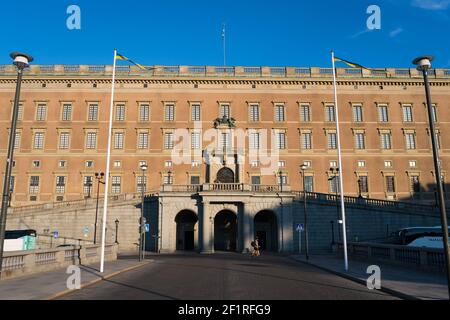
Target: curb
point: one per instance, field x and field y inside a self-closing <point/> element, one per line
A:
<point x="93" y="282"/>
<point x="392" y="292"/>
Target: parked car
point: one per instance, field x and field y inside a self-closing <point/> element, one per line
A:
<point x="430" y="237"/>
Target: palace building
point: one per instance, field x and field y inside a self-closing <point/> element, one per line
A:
<point x="233" y="135"/>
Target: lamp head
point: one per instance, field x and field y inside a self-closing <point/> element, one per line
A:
<point x="21" y="60"/>
<point x="144" y="167"/>
<point x="303" y="167"/>
<point x="423" y="63"/>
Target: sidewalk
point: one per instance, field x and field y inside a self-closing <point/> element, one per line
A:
<point x="404" y="282"/>
<point x="50" y="285"/>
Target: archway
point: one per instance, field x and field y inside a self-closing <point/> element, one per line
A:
<point x="266" y="229"/>
<point x="225" y="231"/>
<point x="225" y="175"/>
<point x="186" y="238"/>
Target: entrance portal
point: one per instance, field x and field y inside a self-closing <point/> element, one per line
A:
<point x="225" y="231"/>
<point x="225" y="175"/>
<point x="186" y="222"/>
<point x="266" y="230"/>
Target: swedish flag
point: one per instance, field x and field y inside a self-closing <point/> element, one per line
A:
<point x="356" y="65"/>
<point x="122" y="57"/>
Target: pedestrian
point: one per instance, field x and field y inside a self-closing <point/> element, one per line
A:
<point x="256" y="248"/>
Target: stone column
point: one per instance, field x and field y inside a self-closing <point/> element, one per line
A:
<point x="206" y="230"/>
<point x="247" y="228"/>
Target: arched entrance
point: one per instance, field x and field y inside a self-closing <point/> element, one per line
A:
<point x="186" y="226"/>
<point x="225" y="231"/>
<point x="225" y="175"/>
<point x="266" y="229"/>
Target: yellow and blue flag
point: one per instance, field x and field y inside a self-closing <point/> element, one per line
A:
<point x="122" y="57"/>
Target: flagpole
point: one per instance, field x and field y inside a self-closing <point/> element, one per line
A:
<point x="108" y="167"/>
<point x="341" y="179"/>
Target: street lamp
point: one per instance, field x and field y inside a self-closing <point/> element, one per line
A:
<point x="142" y="221"/>
<point x="424" y="64"/>
<point x="99" y="177"/>
<point x="117" y="230"/>
<point x="169" y="177"/>
<point x="334" y="178"/>
<point x="303" y="168"/>
<point x="21" y="61"/>
<point x="280" y="176"/>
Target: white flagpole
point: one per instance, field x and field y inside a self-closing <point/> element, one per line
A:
<point x="341" y="179"/>
<point x="224" y="35"/>
<point x="108" y="167"/>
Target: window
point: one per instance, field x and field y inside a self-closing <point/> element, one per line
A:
<point x="306" y="141"/>
<point x="62" y="163"/>
<point x="362" y="164"/>
<point x="255" y="164"/>
<point x="414" y="184"/>
<point x="280" y="113"/>
<point x="225" y="140"/>
<point x="91" y="140"/>
<point x="383" y="115"/>
<point x="195" y="180"/>
<point x="255" y="141"/>
<point x="169" y="112"/>
<point x="168" y="164"/>
<point x="119" y="140"/>
<point x="388" y="164"/>
<point x="143" y="140"/>
<point x="17" y="140"/>
<point x="93" y="112"/>
<point x="281" y="164"/>
<point x="11" y="184"/>
<point x="410" y="141"/>
<point x="36" y="164"/>
<point x="360" y="141"/>
<point x="390" y="184"/>
<point x="144" y="113"/>
<point x="330" y="114"/>
<point x="413" y="164"/>
<point x="66" y="112"/>
<point x="434" y="113"/>
<point x="141" y="184"/>
<point x="89" y="164"/>
<point x="224" y="111"/>
<point x="282" y="180"/>
<point x="39" y="140"/>
<point x="195" y="164"/>
<point x="357" y="113"/>
<point x="256" y="180"/>
<point x="87" y="185"/>
<point x="168" y="141"/>
<point x="195" y="140"/>
<point x="254" y="113"/>
<point x="334" y="185"/>
<point x="41" y="112"/>
<point x="363" y="184"/>
<point x="116" y="185"/>
<point x="438" y="139"/>
<point x="332" y="141"/>
<point x="34" y="185"/>
<point x="281" y="140"/>
<point x="64" y="140"/>
<point x="407" y="114"/>
<point x="20" y="112"/>
<point x="334" y="164"/>
<point x="195" y="112"/>
<point x="120" y="112"/>
<point x="60" y="185"/>
<point x="168" y="180"/>
<point x="386" y="141"/>
<point x="305" y="113"/>
<point x="117" y="164"/>
<point x="309" y="183"/>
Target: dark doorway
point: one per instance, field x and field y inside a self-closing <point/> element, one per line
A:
<point x="186" y="223"/>
<point x="225" y="175"/>
<point x="225" y="231"/>
<point x="266" y="230"/>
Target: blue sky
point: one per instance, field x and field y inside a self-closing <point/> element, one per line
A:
<point x="259" y="32"/>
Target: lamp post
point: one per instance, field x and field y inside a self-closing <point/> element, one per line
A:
<point x="280" y="176"/>
<point x="424" y="64"/>
<point x="303" y="167"/>
<point x="21" y="61"/>
<point x="99" y="177"/>
<point x="117" y="230"/>
<point x="169" y="177"/>
<point x="89" y="184"/>
<point x="335" y="173"/>
<point x="142" y="221"/>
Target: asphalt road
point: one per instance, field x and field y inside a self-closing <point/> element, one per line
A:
<point x="226" y="277"/>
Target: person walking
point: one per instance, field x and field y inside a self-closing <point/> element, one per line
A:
<point x="256" y="248"/>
